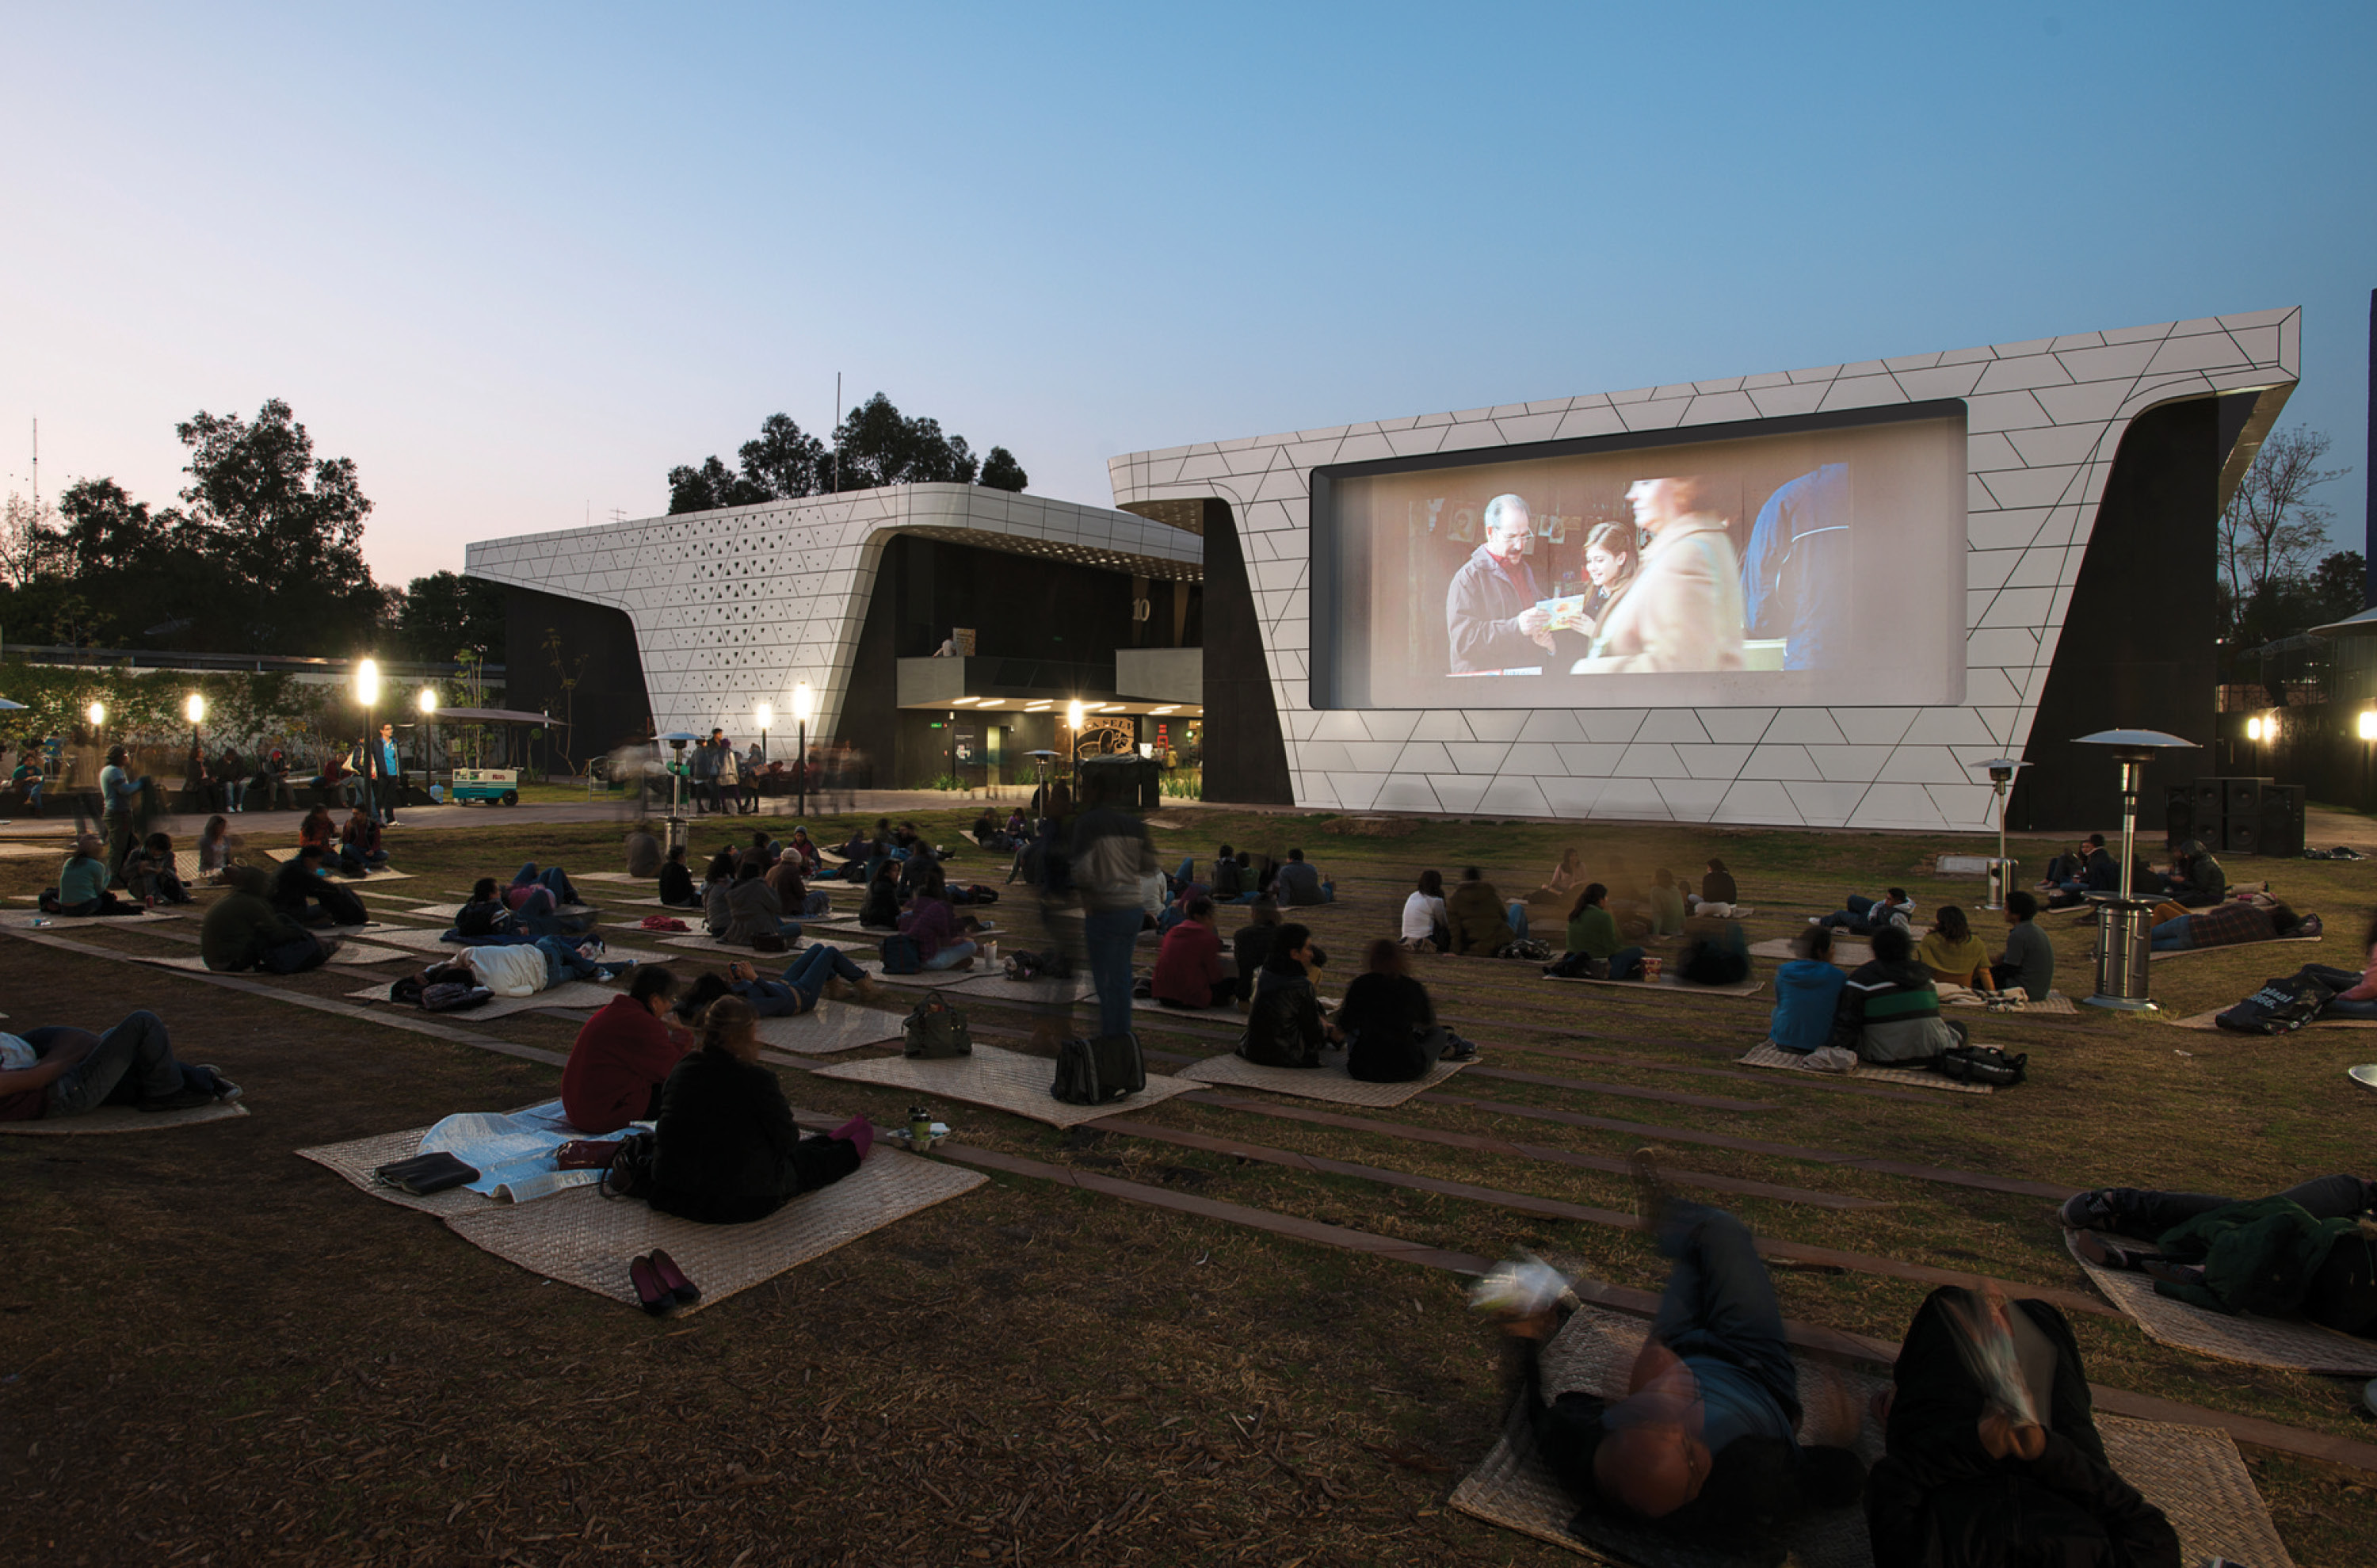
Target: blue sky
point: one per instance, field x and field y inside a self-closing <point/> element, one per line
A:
<point x="516" y="262"/>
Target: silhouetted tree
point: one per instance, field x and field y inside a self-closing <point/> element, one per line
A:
<point x="1001" y="472"/>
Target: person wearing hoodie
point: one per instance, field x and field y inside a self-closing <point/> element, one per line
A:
<point x="1283" y="1025"/>
<point x="2196" y="879"/>
<point x="1807" y="994"/>
<point x="1109" y="856"/>
<point x="1889" y="1011"/>
<point x="1483" y="923"/>
<point x="243" y="931"/>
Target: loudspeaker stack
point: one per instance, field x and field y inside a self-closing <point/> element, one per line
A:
<point x="2236" y="816"/>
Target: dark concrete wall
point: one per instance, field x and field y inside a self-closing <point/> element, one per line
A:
<point x="1246" y="758"/>
<point x="610" y="705"/>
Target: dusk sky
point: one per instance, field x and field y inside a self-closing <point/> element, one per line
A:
<point x="516" y="263"/>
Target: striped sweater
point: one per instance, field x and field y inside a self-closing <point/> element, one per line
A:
<point x="1888" y="1012"/>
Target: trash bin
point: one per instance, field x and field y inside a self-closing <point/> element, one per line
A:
<point x="2124" y="946"/>
<point x="680" y="836"/>
<point x="2003" y="877"/>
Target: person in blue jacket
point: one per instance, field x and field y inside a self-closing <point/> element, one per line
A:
<point x="1807" y="992"/>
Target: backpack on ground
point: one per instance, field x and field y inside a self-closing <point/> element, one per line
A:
<point x="1577" y="967"/>
<point x="901" y="956"/>
<point x="2283" y="1005"/>
<point x="1049" y="966"/>
<point x="935" y="1029"/>
<point x="630" y="1174"/>
<point x="1092" y="1073"/>
<point x="1981" y="1064"/>
<point x="1527" y="948"/>
<point x="452" y="996"/>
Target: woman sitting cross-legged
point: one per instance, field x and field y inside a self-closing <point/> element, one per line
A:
<point x="942" y="941"/>
<point x="677" y="891"/>
<point x="1954" y="954"/>
<point x="727" y="1150"/>
<point x="150" y="874"/>
<point x="622" y="1056"/>
<point x="1391" y="1036"/>
<point x="1283" y="1024"/>
<point x="1593" y="931"/>
<point x="1188" y="970"/>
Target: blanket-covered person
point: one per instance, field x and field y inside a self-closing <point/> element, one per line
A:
<point x="1807" y="993"/>
<point x="1388" y="1024"/>
<point x="1188" y="969"/>
<point x="56" y="1071"/>
<point x="2029" y="964"/>
<point x="1991" y="1456"/>
<point x="243" y="931"/>
<point x="1482" y="923"/>
<point x="2310" y="1251"/>
<point x="622" y="1056"/>
<point x="82" y="882"/>
<point x="1706" y="1442"/>
<point x="2230" y="925"/>
<point x="1283" y="1024"/>
<point x="728" y="1152"/>
<point x="1889" y="1011"/>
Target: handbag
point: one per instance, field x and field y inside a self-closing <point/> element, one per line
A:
<point x="1091" y="1072"/>
<point x="934" y="1029"/>
<point x="2283" y="1005"/>
<point x="585" y="1154"/>
<point x="629" y="1173"/>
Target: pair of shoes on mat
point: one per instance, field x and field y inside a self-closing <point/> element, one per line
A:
<point x="225" y="1090"/>
<point x="1460" y="1050"/>
<point x="2092" y="1210"/>
<point x="660" y="1285"/>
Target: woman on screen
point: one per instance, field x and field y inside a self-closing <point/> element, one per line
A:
<point x="1684" y="609"/>
<point x="1611" y="559"/>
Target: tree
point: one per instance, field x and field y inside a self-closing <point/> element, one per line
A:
<point x="709" y="487"/>
<point x="444" y="614"/>
<point x="285" y="528"/>
<point x="1001" y="472"/>
<point x="785" y="461"/>
<point x="2272" y="525"/>
<point x="879" y="447"/>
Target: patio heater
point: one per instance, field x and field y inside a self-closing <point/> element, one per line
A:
<point x="2001" y="873"/>
<point x="2124" y="935"/>
<point x="679" y="836"/>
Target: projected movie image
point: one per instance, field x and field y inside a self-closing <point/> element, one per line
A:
<point x="1824" y="567"/>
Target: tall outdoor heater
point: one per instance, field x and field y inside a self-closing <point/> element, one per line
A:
<point x="2001" y="772"/>
<point x="804" y="709"/>
<point x="679" y="836"/>
<point x="2123" y="939"/>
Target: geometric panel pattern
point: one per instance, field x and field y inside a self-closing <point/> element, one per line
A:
<point x="732" y="607"/>
<point x="2043" y="420"/>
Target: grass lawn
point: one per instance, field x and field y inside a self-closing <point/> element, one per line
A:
<point x="211" y="1351"/>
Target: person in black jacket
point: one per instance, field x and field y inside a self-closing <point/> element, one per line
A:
<point x="881" y="907"/>
<point x="1390" y="1024"/>
<point x="1283" y="1025"/>
<point x="1978" y="1474"/>
<point x="304" y="892"/>
<point x="727" y="1151"/>
<point x="676" y="882"/>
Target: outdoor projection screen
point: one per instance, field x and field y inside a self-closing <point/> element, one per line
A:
<point x="1811" y="560"/>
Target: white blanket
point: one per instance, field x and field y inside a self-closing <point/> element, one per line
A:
<point x="513" y="1153"/>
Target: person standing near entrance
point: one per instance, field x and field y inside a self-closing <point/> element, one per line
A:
<point x="387" y="776"/>
<point x="1110" y="854"/>
<point x="119" y="793"/>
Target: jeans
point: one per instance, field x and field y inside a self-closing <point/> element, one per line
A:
<point x="552" y="879"/>
<point x="770" y="999"/>
<point x="1720" y="1301"/>
<point x="1517" y="914"/>
<point x="293" y="956"/>
<point x="564" y="963"/>
<point x="2172" y="935"/>
<point x="807" y="974"/>
<point x="1109" y="935"/>
<point x="135" y="1057"/>
<point x="1626" y="963"/>
<point x="234" y="791"/>
<point x="815" y="904"/>
<point x="952" y="954"/>
<point x="2146" y="1214"/>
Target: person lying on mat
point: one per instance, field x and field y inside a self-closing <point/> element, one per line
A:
<point x="677" y="891"/>
<point x="1389" y="1026"/>
<point x="1188" y="968"/>
<point x="524" y="969"/>
<point x="1953" y="954"/>
<point x="1807" y="994"/>
<point x="727" y="1151"/>
<point x="1283" y="1024"/>
<point x="243" y="931"/>
<point x="2027" y="965"/>
<point x="1593" y="931"/>
<point x="1706" y="1442"/>
<point x="82" y="884"/>
<point x="2307" y="1252"/>
<point x="56" y="1071"/>
<point x="1889" y="1011"/>
<point x="553" y="879"/>
<point x="1990" y="1456"/>
<point x="1864" y="915"/>
<point x="621" y="1056"/>
<point x="2232" y="923"/>
<point x="302" y="890"/>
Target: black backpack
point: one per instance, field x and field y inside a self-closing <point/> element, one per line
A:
<point x="1981" y="1064"/>
<point x="1577" y="967"/>
<point x="2281" y="1006"/>
<point x="1091" y="1072"/>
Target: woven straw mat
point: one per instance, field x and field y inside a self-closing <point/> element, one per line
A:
<point x="1314" y="1082"/>
<point x="1669" y="980"/>
<point x="1767" y="1054"/>
<point x="573" y="993"/>
<point x="832" y="1026"/>
<point x="2256" y="1342"/>
<point x="126" y="1118"/>
<point x="1002" y="1079"/>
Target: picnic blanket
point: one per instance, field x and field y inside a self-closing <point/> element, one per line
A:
<point x="1767" y="1053"/>
<point x="513" y="1151"/>
<point x="1669" y="980"/>
<point x="1329" y="1082"/>
<point x="1003" y="1080"/>
<point x="26" y="919"/>
<point x="572" y="993"/>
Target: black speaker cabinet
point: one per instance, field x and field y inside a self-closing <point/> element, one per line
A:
<point x="2243" y="836"/>
<point x="2282" y="820"/>
<point x="2179" y="816"/>
<point x="2245" y="797"/>
<point x="2211" y="797"/>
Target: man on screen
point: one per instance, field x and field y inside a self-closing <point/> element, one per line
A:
<point x="1796" y="580"/>
<point x="1684" y="611"/>
<point x="1492" y="610"/>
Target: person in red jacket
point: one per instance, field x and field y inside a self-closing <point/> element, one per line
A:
<point x="1188" y="970"/>
<point x="622" y="1056"/>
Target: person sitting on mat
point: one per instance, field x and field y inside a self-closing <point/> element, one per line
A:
<point x="1667" y="902"/>
<point x="880" y="908"/>
<point x="787" y="880"/>
<point x="1953" y="954"/>
<point x="1250" y="944"/>
<point x="621" y="1056"/>
<point x="1283" y="1024"/>
<point x="1426" y="928"/>
<point x="1718" y="894"/>
<point x="150" y="874"/>
<point x="677" y="891"/>
<point x="2306" y="1252"/>
<point x="1714" y="952"/>
<point x="2232" y="923"/>
<point x="1889" y="1011"/>
<point x="1188" y="969"/>
<point x="360" y="849"/>
<point x="1982" y="1468"/>
<point x="1593" y="931"/>
<point x="1481" y="922"/>
<point x="82" y="882"/>
<point x="753" y="912"/>
<point x="302" y="890"/>
<point x="943" y="940"/>
<point x="1706" y="1442"/>
<point x="56" y="1071"/>
<point x="1391" y="1035"/>
<point x="1560" y="888"/>
<point x="1864" y="915"/>
<point x="1807" y="994"/>
<point x="643" y="855"/>
<point x="214" y="849"/>
<point x="243" y="931"/>
<point x="727" y="1149"/>
<point x="2027" y="965"/>
<point x="2196" y="879"/>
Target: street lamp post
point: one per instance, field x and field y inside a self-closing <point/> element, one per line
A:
<point x="803" y="707"/>
<point x="367" y="693"/>
<point x="195" y="709"/>
<point x="428" y="704"/>
<point x="1073" y="751"/>
<point x="765" y="715"/>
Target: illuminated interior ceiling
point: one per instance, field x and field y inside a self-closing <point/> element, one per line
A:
<point x="1187" y="516"/>
<point x="1061" y="550"/>
<point x="1119" y="707"/>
